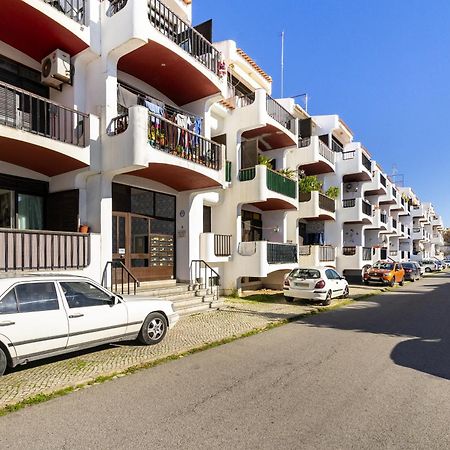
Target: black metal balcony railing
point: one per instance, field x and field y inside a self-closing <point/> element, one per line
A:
<point x="280" y="114"/>
<point x="281" y="253"/>
<point x="327" y="203"/>
<point x="222" y="245"/>
<point x="29" y="112"/>
<point x="118" y="125"/>
<point x="349" y="203"/>
<point x="349" y="251"/>
<point x="171" y="138"/>
<point x="383" y="180"/>
<point x="366" y="208"/>
<point x="336" y="147"/>
<point x="43" y="250"/>
<point x="186" y="37"/>
<point x="75" y="9"/>
<point x="327" y="253"/>
<point x="384" y="218"/>
<point x="348" y="155"/>
<point x="366" y="162"/>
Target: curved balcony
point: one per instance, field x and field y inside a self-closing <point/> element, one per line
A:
<point x="355" y="165"/>
<point x="316" y="256"/>
<point x="316" y="206"/>
<point x="259" y="258"/>
<point x="260" y="116"/>
<point x="313" y="156"/>
<point x="356" y="210"/>
<point x="215" y="248"/>
<point x="147" y="145"/>
<point x="354" y="258"/>
<point x="42" y="135"/>
<point x="267" y="189"/>
<point x="378" y="185"/>
<point x="158" y="47"/>
<point x="37" y="27"/>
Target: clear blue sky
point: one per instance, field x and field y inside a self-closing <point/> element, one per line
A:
<point x="382" y="65"/>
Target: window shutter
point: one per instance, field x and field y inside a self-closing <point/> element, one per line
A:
<point x="305" y="128"/>
<point x="249" y="154"/>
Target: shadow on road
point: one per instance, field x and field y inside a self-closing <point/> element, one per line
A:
<point x="422" y="315"/>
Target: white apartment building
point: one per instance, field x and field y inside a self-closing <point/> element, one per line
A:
<point x="122" y="119"/>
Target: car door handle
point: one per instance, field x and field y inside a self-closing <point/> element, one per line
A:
<point x="6" y="323"/>
<point x="76" y="316"/>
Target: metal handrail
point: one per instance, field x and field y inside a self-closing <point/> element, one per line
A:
<point x="184" y="35"/>
<point x="280" y="114"/>
<point x="349" y="203"/>
<point x="211" y="279"/>
<point x="118" y="125"/>
<point x="35" y="114"/>
<point x="75" y="9"/>
<point x="115" y="265"/>
<point x="169" y="137"/>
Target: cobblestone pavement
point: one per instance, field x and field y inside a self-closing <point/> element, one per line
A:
<point x="235" y="318"/>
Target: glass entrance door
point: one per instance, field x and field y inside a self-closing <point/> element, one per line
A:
<point x="146" y="248"/>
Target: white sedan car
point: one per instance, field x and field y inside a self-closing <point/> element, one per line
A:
<point x="315" y="283"/>
<point x="43" y="315"/>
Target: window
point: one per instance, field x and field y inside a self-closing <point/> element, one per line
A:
<point x="307" y="274"/>
<point x="81" y="295"/>
<point x="207" y="219"/>
<point x="8" y="304"/>
<point x="33" y="297"/>
<point x="30" y="212"/>
<point x="332" y="275"/>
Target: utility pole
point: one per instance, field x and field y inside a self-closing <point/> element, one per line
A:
<point x="282" y="64"/>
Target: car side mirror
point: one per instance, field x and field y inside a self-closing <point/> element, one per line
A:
<point x="112" y="301"/>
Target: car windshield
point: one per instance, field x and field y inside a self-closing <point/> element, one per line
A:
<point x="305" y="273"/>
<point x="383" y="266"/>
<point x="408" y="265"/>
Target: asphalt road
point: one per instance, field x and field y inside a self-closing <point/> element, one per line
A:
<point x="374" y="374"/>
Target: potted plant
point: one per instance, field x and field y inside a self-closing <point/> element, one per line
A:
<point x="288" y="173"/>
<point x="332" y="192"/>
<point x="309" y="183"/>
<point x="84" y="228"/>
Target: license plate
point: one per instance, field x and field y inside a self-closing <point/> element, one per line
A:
<point x="301" y="284"/>
<point x="375" y="278"/>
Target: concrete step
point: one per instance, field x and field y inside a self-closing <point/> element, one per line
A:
<point x="187" y="303"/>
<point x="174" y="297"/>
<point x="194" y="309"/>
<point x="164" y="290"/>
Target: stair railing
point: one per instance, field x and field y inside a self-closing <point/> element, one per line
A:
<point x="117" y="285"/>
<point x="204" y="276"/>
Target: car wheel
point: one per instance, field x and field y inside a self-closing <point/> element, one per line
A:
<point x="327" y="301"/>
<point x="345" y="293"/>
<point x="392" y="283"/>
<point x="3" y="361"/>
<point x="153" y="329"/>
<point x="402" y="282"/>
<point x="289" y="299"/>
<point x="366" y="282"/>
<point x="427" y="270"/>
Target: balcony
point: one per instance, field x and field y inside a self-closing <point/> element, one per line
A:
<point x="316" y="206"/>
<point x="354" y="258"/>
<point x="42" y="135"/>
<point x="418" y="234"/>
<point x="356" y="210"/>
<point x="164" y="46"/>
<point x="160" y="150"/>
<point x="355" y="166"/>
<point x="31" y="250"/>
<point x="313" y="156"/>
<point x="437" y="239"/>
<point x="419" y="212"/>
<point x="316" y="255"/>
<point x="260" y="116"/>
<point x="37" y="27"/>
<point x="267" y="189"/>
<point x="437" y="222"/>
<point x="215" y="248"/>
<point x="259" y="258"/>
<point x="377" y="186"/>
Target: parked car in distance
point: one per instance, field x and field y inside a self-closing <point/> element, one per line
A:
<point x="429" y="265"/>
<point x="43" y="316"/>
<point x="412" y="271"/>
<point x="420" y="266"/>
<point x="320" y="284"/>
<point x="447" y="263"/>
<point x="386" y="272"/>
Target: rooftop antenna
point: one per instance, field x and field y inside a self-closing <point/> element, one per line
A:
<point x="282" y="64"/>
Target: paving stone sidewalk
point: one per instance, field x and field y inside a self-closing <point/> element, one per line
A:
<point x="235" y="318"/>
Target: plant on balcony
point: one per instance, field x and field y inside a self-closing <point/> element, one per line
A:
<point x="309" y="183"/>
<point x="332" y="192"/>
<point x="288" y="173"/>
<point x="265" y="161"/>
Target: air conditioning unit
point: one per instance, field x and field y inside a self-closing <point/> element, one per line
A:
<point x="55" y="69"/>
